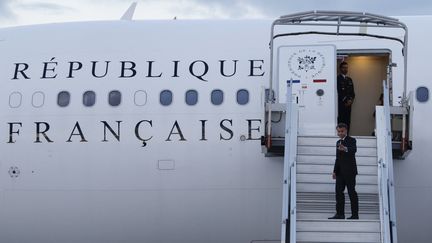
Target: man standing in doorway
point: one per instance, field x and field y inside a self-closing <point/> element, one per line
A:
<point x="345" y="172"/>
<point x="346" y="95"/>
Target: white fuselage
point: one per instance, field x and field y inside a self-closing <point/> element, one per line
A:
<point x="145" y="172"/>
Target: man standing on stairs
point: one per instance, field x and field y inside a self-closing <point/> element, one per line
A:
<point x="345" y="172"/>
<point x="346" y="95"/>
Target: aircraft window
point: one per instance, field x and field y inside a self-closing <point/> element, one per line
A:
<point x="191" y="97"/>
<point x="15" y="100"/>
<point x="38" y="99"/>
<point x="217" y="97"/>
<point x="63" y="99"/>
<point x="89" y="98"/>
<point x="242" y="97"/>
<point x="114" y="98"/>
<point x="166" y="97"/>
<point x="140" y="98"/>
<point x="422" y="94"/>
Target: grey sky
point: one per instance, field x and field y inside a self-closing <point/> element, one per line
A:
<point x="281" y="7"/>
<point x="5" y="11"/>
<point x="17" y="12"/>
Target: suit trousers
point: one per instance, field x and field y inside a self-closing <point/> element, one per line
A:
<point x="344" y="115"/>
<point x="349" y="182"/>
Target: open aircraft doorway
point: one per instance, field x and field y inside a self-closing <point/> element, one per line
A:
<point x="367" y="70"/>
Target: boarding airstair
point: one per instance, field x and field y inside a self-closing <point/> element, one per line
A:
<point x="308" y="189"/>
<point x="315" y="198"/>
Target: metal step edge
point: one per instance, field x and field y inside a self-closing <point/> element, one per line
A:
<point x="328" y="183"/>
<point x="300" y="201"/>
<point x="331" y="146"/>
<point x="332" y="212"/>
<point x="303" y="154"/>
<point x="341" y="237"/>
<point x="316" y="156"/>
<point x="333" y="196"/>
<point x="313" y="163"/>
<point x="326" y="136"/>
<point x="332" y="207"/>
<point x="329" y="173"/>
<point x="332" y="155"/>
<point x="338" y="220"/>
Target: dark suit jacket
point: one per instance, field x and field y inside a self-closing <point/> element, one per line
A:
<point x="345" y="164"/>
<point x="345" y="88"/>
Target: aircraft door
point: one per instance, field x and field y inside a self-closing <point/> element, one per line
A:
<point x="312" y="70"/>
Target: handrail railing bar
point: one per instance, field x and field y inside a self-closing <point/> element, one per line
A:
<point x="362" y="24"/>
<point x="389" y="159"/>
<point x="287" y="180"/>
<point x="293" y="165"/>
<point x="343" y="34"/>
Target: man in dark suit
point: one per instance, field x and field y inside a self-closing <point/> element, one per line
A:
<point x="345" y="172"/>
<point x="346" y="95"/>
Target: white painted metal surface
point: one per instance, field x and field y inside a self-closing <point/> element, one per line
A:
<point x="290" y="167"/>
<point x="313" y="71"/>
<point x="385" y="175"/>
<point x="219" y="190"/>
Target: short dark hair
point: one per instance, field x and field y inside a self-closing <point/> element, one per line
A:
<point x="342" y="125"/>
<point x="342" y="64"/>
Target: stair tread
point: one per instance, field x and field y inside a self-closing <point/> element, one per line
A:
<point x="315" y="199"/>
<point x="338" y="220"/>
<point x="338" y="237"/>
<point x="324" y="136"/>
<point x="302" y="214"/>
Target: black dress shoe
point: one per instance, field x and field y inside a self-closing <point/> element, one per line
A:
<point x="337" y="216"/>
<point x="354" y="217"/>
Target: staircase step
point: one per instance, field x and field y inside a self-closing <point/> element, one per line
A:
<point x="330" y="159"/>
<point x="323" y="169"/>
<point x="331" y="196"/>
<point x="370" y="209"/>
<point x="330" y="187"/>
<point x="331" y="141"/>
<point x="301" y="214"/>
<point x="332" y="201"/>
<point x="315" y="198"/>
<point x="326" y="178"/>
<point x="352" y="237"/>
<point x="327" y="225"/>
<point x="331" y="150"/>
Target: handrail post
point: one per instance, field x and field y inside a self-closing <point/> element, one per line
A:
<point x="385" y="170"/>
<point x="389" y="159"/>
<point x="289" y="180"/>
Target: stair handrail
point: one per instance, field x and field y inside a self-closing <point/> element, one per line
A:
<point x="385" y="170"/>
<point x="289" y="181"/>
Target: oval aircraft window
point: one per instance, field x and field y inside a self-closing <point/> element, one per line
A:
<point x="15" y="100"/>
<point x="191" y="97"/>
<point x="114" y="98"/>
<point x="422" y="94"/>
<point x="242" y="97"/>
<point x="89" y="98"/>
<point x="140" y="98"/>
<point x="166" y="97"/>
<point x="217" y="97"/>
<point x="38" y="99"/>
<point x="63" y="99"/>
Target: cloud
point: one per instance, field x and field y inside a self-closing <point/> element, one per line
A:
<point x="46" y="7"/>
<point x="5" y="9"/>
<point x="19" y="12"/>
<point x="275" y="8"/>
